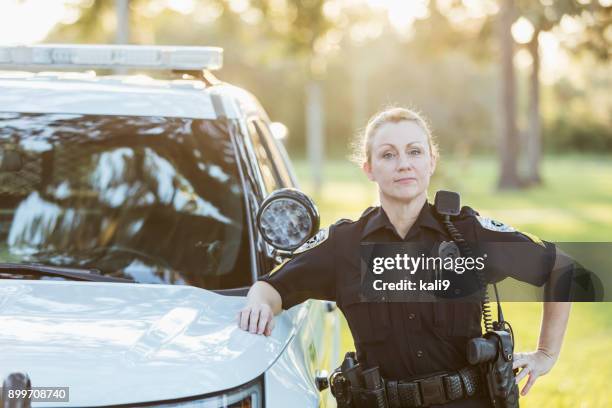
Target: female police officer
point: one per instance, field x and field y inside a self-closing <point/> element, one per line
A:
<point x="408" y="340"/>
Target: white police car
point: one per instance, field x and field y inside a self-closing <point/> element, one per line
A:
<point x="128" y="234"/>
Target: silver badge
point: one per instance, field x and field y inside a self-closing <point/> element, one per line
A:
<point x="316" y="240"/>
<point x="494" y="225"/>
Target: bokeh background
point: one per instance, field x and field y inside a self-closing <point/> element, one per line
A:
<point x="518" y="94"/>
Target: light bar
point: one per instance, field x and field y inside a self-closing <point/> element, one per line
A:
<point x="112" y="56"/>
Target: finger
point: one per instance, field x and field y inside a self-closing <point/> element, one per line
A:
<point x="532" y="379"/>
<point x="522" y="374"/>
<point x="269" y="328"/>
<point x="518" y="361"/>
<point x="254" y="320"/>
<point x="264" y="317"/>
<point x="244" y="318"/>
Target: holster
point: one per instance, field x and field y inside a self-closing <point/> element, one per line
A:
<point x="356" y="388"/>
<point x="500" y="377"/>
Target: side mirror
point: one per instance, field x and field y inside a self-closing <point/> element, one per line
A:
<point x="287" y="218"/>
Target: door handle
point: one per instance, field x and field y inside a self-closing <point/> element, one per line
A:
<point x="322" y="379"/>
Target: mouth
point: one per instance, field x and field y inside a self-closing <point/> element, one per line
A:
<point x="405" y="180"/>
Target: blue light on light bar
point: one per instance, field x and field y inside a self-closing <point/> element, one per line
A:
<point x="112" y="56"/>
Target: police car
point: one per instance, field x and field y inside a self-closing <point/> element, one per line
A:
<point x="135" y="212"/>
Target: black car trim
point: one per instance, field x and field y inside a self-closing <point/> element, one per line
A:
<point x="233" y="292"/>
<point x="233" y="127"/>
<point x="160" y="403"/>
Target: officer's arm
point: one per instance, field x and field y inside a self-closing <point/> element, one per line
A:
<point x="512" y="253"/>
<point x="310" y="274"/>
<point x="555" y="316"/>
<point x="552" y="330"/>
<point x="262" y="292"/>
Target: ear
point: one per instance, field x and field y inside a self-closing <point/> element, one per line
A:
<point x="432" y="165"/>
<point x="367" y="169"/>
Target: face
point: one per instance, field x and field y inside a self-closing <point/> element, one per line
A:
<point x="400" y="161"/>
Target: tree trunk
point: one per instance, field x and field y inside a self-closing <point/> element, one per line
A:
<point x="360" y="84"/>
<point x="315" y="132"/>
<point x="534" y="131"/>
<point x="508" y="147"/>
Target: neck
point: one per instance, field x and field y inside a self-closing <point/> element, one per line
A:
<point x="403" y="214"/>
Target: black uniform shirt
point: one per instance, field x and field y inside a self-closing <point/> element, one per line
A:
<point x="404" y="339"/>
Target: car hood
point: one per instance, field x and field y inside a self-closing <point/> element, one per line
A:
<point x="116" y="343"/>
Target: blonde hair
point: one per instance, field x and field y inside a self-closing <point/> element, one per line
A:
<point x="362" y="147"/>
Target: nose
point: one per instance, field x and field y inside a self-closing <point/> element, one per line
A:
<point x="404" y="163"/>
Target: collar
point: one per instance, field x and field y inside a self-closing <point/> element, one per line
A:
<point x="379" y="219"/>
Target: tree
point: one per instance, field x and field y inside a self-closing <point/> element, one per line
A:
<point x="508" y="146"/>
<point x="300" y="25"/>
<point x="493" y="40"/>
<point x="543" y="18"/>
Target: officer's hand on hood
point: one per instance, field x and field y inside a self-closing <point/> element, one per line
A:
<point x="263" y="302"/>
<point x="256" y="319"/>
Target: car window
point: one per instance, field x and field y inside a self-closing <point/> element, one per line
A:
<point x="152" y="198"/>
<point x="271" y="178"/>
<point x="273" y="151"/>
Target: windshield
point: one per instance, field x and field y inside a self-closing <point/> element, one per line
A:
<point x="155" y="199"/>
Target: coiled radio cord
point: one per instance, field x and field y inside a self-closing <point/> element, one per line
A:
<point x="485" y="305"/>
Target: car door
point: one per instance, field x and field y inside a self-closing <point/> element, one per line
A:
<point x="320" y="340"/>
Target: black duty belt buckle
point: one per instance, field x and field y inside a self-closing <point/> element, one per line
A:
<point x="432" y="390"/>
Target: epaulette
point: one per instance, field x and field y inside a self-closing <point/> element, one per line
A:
<point x="467" y="212"/>
<point x="367" y="212"/>
<point x="342" y="221"/>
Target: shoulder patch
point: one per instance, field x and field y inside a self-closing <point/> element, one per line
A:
<point x="315" y="241"/>
<point x="494" y="225"/>
<point x="534" y="238"/>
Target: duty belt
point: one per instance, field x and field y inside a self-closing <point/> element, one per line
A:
<point x="436" y="389"/>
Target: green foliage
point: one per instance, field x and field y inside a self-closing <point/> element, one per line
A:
<point x="586" y="136"/>
<point x="448" y="71"/>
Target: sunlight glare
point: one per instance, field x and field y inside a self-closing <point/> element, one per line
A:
<point x="522" y="30"/>
<point x="29" y="21"/>
<point x="554" y="59"/>
<point x="181" y="6"/>
<point x="402" y="14"/>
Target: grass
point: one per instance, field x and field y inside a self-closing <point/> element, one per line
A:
<point x="573" y="204"/>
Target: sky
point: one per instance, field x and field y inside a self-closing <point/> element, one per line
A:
<point x="29" y="21"/>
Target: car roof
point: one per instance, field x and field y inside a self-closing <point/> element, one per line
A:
<point x="126" y="95"/>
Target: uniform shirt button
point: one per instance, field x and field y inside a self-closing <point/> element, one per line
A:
<point x="411" y="316"/>
<point x="419" y="353"/>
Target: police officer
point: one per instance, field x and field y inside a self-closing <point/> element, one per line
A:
<point x="408" y="340"/>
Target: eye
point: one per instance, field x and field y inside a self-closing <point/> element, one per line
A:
<point x="414" y="152"/>
<point x="387" y="155"/>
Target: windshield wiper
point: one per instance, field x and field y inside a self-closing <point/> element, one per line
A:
<point x="90" y="275"/>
